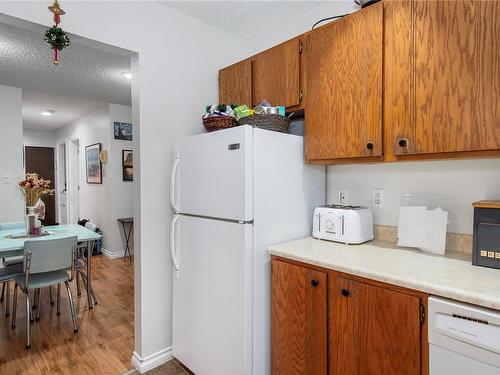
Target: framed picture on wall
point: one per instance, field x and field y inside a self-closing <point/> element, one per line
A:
<point x="122" y="130"/>
<point x="93" y="164"/>
<point x="128" y="165"/>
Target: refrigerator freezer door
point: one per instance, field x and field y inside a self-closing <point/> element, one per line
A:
<point x="212" y="312"/>
<point x="214" y="174"/>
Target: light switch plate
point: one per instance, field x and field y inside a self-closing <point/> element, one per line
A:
<point x="7" y="179"/>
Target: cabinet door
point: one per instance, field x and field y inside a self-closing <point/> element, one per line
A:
<point x="299" y="324"/>
<point x="442" y="76"/>
<point x="372" y="330"/>
<point x="235" y="83"/>
<point x="457" y="75"/>
<point x="399" y="65"/>
<point x="276" y="75"/>
<point x="344" y="87"/>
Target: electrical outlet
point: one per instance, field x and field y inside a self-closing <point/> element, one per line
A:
<point x="7" y="179"/>
<point x="378" y="197"/>
<point x="343" y="197"/>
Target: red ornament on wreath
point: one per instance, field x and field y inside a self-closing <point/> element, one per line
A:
<point x="55" y="36"/>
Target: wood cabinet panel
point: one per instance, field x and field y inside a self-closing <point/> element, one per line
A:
<point x="299" y="320"/>
<point x="457" y="75"/>
<point x="399" y="97"/>
<point x="276" y="75"/>
<point x="344" y="87"/>
<point x="372" y="330"/>
<point x="235" y="83"/>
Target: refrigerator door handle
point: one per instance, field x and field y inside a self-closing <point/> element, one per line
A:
<point x="172" y="184"/>
<point x="173" y="254"/>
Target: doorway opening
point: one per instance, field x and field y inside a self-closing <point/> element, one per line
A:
<point x="70" y="116"/>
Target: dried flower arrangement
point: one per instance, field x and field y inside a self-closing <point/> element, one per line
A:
<point x="34" y="188"/>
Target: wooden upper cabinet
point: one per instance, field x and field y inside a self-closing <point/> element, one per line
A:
<point x="399" y="66"/>
<point x="235" y="83"/>
<point x="299" y="320"/>
<point x="373" y="330"/>
<point x="276" y="74"/>
<point x="457" y="75"/>
<point x="343" y="104"/>
<point x="442" y="76"/>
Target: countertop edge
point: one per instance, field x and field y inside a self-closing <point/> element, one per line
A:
<point x="418" y="285"/>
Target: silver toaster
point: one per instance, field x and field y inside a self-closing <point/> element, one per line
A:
<point x="346" y="224"/>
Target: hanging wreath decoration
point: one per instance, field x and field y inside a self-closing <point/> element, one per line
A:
<point x="55" y="36"/>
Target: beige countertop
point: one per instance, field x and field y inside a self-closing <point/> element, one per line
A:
<point x="451" y="276"/>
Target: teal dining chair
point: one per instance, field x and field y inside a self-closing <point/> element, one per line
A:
<point x="11" y="226"/>
<point x="12" y="265"/>
<point x="45" y="264"/>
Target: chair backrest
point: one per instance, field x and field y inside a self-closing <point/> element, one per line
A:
<point x="90" y="226"/>
<point x="17" y="225"/>
<point x="49" y="255"/>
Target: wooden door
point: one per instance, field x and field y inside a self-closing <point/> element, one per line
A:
<point x="235" y="83"/>
<point x="442" y="76"/>
<point x="373" y="330"/>
<point x="457" y="75"/>
<point x="343" y="104"/>
<point x="299" y="323"/>
<point x="41" y="160"/>
<point x="399" y="65"/>
<point x="276" y="75"/>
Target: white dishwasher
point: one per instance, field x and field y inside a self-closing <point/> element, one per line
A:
<point x="463" y="339"/>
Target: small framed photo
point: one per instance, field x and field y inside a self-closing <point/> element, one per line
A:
<point x="128" y="165"/>
<point x="122" y="130"/>
<point x="93" y="163"/>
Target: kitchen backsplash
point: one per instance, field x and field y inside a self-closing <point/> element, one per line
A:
<point x="455" y="242"/>
<point x="462" y="181"/>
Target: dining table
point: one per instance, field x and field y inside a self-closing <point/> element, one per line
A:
<point x="12" y="244"/>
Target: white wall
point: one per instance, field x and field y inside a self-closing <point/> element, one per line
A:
<point x="122" y="192"/>
<point x="39" y="138"/>
<point x="300" y="24"/>
<point x="94" y="198"/>
<point x="11" y="153"/>
<point x="460" y="181"/>
<point x="175" y="77"/>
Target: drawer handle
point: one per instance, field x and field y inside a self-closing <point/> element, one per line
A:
<point x="369" y="146"/>
<point x="403" y="142"/>
<point x="314" y="283"/>
<point x="346" y="293"/>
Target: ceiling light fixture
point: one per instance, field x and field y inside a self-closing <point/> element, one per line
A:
<point x="127" y="75"/>
<point x="48" y="112"/>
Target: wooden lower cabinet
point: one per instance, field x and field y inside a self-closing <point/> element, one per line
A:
<point x="299" y="320"/>
<point x="367" y="327"/>
<point x="373" y="330"/>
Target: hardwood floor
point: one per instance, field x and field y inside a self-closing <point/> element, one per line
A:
<point x="104" y="342"/>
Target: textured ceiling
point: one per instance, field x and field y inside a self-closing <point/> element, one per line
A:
<point x="85" y="77"/>
<point x="67" y="109"/>
<point x="243" y="19"/>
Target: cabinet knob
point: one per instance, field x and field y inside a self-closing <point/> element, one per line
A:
<point x="369" y="146"/>
<point x="346" y="293"/>
<point x="403" y="142"/>
<point x="314" y="283"/>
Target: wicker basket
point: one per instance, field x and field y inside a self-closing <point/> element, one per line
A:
<point x="214" y="123"/>
<point x="266" y="121"/>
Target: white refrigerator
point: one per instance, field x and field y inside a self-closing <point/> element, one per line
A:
<point x="234" y="192"/>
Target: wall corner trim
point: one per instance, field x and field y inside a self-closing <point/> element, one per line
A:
<point x="152" y="361"/>
<point x="114" y="255"/>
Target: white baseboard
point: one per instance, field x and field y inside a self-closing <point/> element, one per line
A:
<point x="152" y="361"/>
<point x="113" y="255"/>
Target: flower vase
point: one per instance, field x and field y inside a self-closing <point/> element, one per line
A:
<point x="31" y="218"/>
